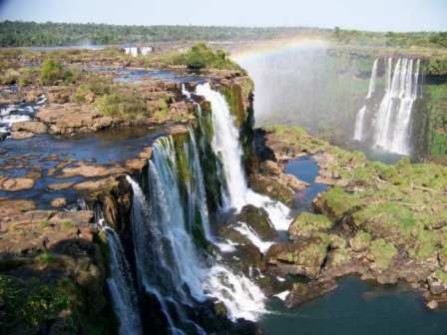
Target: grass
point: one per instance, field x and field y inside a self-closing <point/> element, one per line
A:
<point x="306" y="224"/>
<point x="383" y="253"/>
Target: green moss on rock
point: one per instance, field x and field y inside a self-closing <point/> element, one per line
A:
<point x="306" y="224"/>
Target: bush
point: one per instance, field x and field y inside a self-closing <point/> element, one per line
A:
<point x="53" y="72"/>
<point x="28" y="305"/>
<point x="124" y="105"/>
<point x="200" y="57"/>
<point x="94" y="88"/>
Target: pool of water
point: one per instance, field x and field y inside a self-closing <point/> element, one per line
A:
<point x="44" y="152"/>
<point x="357" y="307"/>
<point x="306" y="169"/>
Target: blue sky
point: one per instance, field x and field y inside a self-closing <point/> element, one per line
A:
<point x="384" y="15"/>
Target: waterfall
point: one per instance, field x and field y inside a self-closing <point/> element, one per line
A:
<point x="196" y="188"/>
<point x="360" y="119"/>
<point x="372" y="81"/>
<point x="392" y="124"/>
<point x="226" y="146"/>
<point x="359" y="124"/>
<point x="121" y="287"/>
<point x="170" y="266"/>
<point x="392" y="119"/>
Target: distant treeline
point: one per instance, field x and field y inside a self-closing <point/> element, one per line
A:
<point x="18" y="34"/>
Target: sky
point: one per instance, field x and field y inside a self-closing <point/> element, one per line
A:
<point x="375" y="15"/>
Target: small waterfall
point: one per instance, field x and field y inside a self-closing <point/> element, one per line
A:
<point x="121" y="287"/>
<point x="372" y="81"/>
<point x="227" y="147"/>
<point x="360" y="124"/>
<point x="360" y="119"/>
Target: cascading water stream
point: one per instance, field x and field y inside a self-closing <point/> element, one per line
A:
<point x="169" y="265"/>
<point x="121" y="287"/>
<point x="391" y="128"/>
<point x="227" y="147"/>
<point x="360" y="119"/>
<point x="392" y="124"/>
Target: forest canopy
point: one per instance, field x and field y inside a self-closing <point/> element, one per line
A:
<point x="21" y="34"/>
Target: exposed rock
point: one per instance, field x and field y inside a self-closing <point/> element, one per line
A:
<point x="437" y="282"/>
<point x="89" y="171"/>
<point x="304" y="257"/>
<point x="432" y="304"/>
<point x="59" y="94"/>
<point x="58" y="202"/>
<point x="36" y="230"/>
<point x="71" y="118"/>
<point x="34" y="127"/>
<point x="302" y="292"/>
<point x="21" y="135"/>
<point x="16" y="184"/>
<point x="258" y="220"/>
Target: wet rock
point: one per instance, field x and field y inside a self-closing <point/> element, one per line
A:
<point x="258" y="220"/>
<point x="303" y="292"/>
<point x="437" y="282"/>
<point x="303" y="257"/>
<point x="21" y="135"/>
<point x="432" y="304"/>
<point x="10" y="206"/>
<point x="272" y="187"/>
<point x="58" y="202"/>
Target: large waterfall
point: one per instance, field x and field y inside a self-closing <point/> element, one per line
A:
<point x="121" y="287"/>
<point x="391" y="120"/>
<point x="227" y="147"/>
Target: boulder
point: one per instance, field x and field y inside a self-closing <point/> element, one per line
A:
<point x="304" y="257"/>
<point x="303" y="292"/>
<point x="34" y="127"/>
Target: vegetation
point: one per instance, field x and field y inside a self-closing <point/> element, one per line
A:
<point x="200" y="56"/>
<point x="388" y="207"/>
<point x="307" y="223"/>
<point x="27" y="305"/>
<point x="59" y="34"/>
<point x="53" y="72"/>
<point x="118" y="104"/>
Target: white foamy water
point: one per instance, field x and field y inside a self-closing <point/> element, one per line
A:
<point x="240" y="295"/>
<point x="254" y="238"/>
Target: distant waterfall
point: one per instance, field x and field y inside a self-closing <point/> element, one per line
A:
<point x="392" y="125"/>
<point x="121" y="287"/>
<point x="227" y="147"/>
<point x="360" y="119"/>
<point x="391" y="120"/>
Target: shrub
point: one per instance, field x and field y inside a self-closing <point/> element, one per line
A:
<point x="53" y="71"/>
<point x="383" y="253"/>
<point x="94" y="88"/>
<point x="124" y="105"/>
<point x="200" y="57"/>
<point x="28" y="305"/>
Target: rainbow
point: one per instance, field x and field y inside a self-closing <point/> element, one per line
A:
<point x="252" y="50"/>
